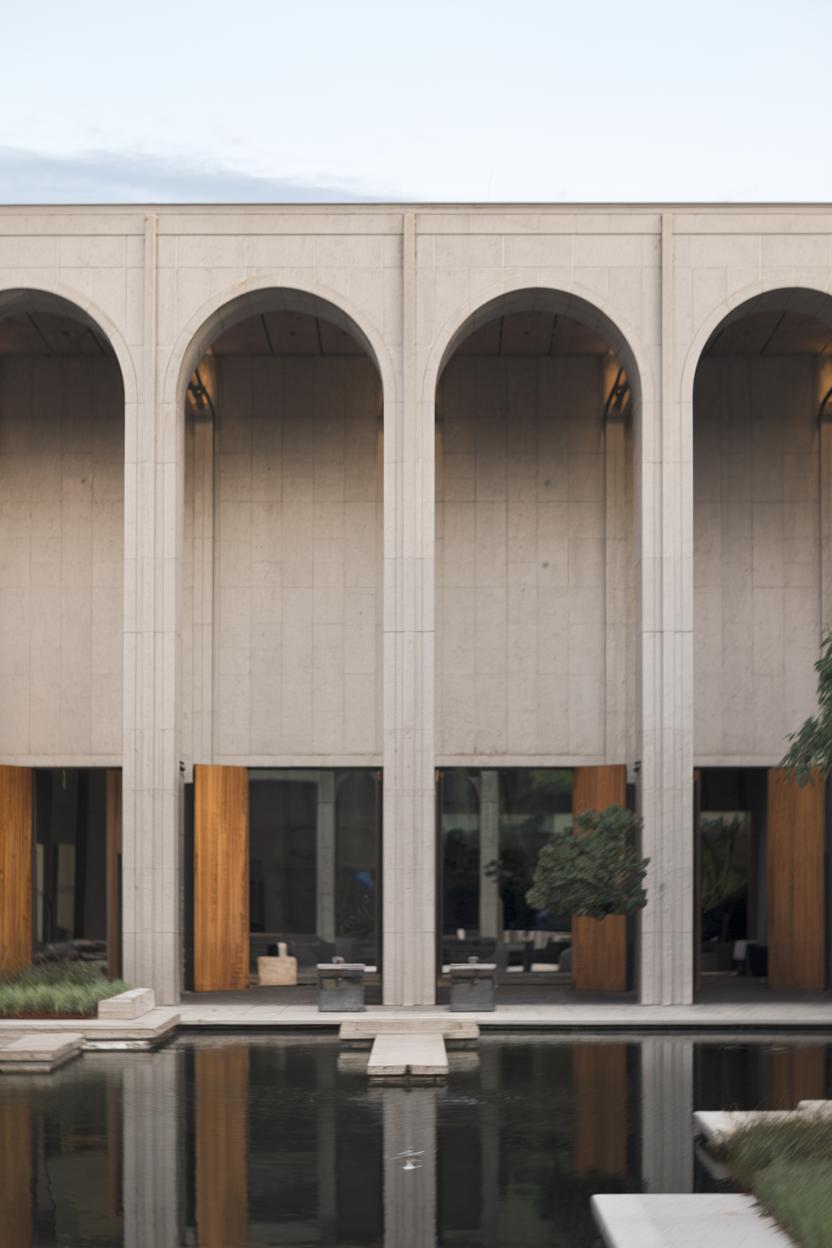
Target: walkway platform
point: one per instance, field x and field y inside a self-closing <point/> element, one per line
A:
<point x="719" y="1220"/>
<point x="759" y="1017"/>
<point x="420" y="1054"/>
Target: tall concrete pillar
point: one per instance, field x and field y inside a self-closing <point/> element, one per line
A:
<point x="409" y="798"/>
<point x="665" y="463"/>
<point x="151" y="1176"/>
<point x="410" y="1142"/>
<point x="489" y="853"/>
<point x="667" y="1115"/>
<point x="153" y="513"/>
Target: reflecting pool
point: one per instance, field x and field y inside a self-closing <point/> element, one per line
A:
<point x="270" y="1140"/>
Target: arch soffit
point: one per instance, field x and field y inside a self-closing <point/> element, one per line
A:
<point x="44" y="294"/>
<point x="269" y="293"/>
<point x="799" y="296"/>
<point x="584" y="304"/>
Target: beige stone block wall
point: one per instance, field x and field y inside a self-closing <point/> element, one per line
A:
<point x="61" y="559"/>
<point x="757" y="555"/>
<point x="297" y="562"/>
<point x="521" y="516"/>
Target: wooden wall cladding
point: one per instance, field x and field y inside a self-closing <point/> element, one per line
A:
<point x="221" y="1084"/>
<point x="221" y="883"/>
<point x="599" y="947"/>
<point x="796" y="883"/>
<point x="15" y="868"/>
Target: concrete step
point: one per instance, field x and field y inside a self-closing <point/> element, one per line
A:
<point x="131" y="1004"/>
<point x="368" y="1028"/>
<point x="39" y="1052"/>
<point x="421" y="1056"/>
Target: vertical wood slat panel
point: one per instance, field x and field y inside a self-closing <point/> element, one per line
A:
<point x="599" y="947"/>
<point x="221" y="883"/>
<point x="113" y="833"/>
<point x="599" y="1076"/>
<point x="15" y="868"/>
<point x="221" y="1085"/>
<point x="796" y="883"/>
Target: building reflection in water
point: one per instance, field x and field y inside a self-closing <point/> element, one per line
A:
<point x="219" y="1141"/>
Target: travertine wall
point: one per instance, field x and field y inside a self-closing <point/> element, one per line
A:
<point x="521" y="530"/>
<point x="756" y="562"/>
<point x="61" y="559"/>
<point x="297" y="563"/>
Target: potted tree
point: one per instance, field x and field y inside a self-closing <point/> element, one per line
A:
<point x="592" y="872"/>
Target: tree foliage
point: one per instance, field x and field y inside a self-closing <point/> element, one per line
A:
<point x="594" y="869"/>
<point x="810" y="748"/>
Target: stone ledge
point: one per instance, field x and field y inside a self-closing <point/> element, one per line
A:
<point x="131" y="1004"/>
<point x="101" y="1033"/>
<point x="718" y="1219"/>
<point x="716" y="1125"/>
<point x="39" y="1053"/>
<point x="368" y="1028"/>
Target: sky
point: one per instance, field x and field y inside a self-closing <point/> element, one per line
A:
<point x="435" y="100"/>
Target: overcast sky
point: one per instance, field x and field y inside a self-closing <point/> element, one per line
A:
<point x="546" y="100"/>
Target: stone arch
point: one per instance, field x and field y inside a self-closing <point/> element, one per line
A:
<point x="797" y="296"/>
<point x="269" y="293"/>
<point x="55" y="296"/>
<point x="578" y="302"/>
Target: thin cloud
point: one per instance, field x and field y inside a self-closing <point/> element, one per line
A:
<point x="106" y="177"/>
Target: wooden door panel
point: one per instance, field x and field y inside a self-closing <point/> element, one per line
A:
<point x="599" y="948"/>
<point x="15" y="868"/>
<point x="796" y="883"/>
<point x="221" y="878"/>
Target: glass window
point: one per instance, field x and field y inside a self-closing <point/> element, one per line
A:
<point x="314" y="863"/>
<point x="71" y="860"/>
<point x="493" y="824"/>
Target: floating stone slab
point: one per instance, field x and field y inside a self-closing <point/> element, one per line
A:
<point x="720" y="1220"/>
<point x="367" y="1028"/>
<point x="39" y="1052"/>
<point x="131" y="1004"/>
<point x="146" y="1032"/>
<point x="420" y="1056"/>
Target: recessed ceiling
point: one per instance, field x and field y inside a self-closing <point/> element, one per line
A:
<point x="534" y="334"/>
<point x="286" y="333"/>
<point x="780" y="322"/>
<point x="49" y="334"/>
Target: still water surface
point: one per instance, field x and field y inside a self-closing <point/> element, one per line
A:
<point x="267" y="1140"/>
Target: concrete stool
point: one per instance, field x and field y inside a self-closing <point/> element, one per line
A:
<point x="473" y="985"/>
<point x="340" y="985"/>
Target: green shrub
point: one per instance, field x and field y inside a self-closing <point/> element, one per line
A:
<point x="56" y="988"/>
<point x="595" y="873"/>
<point x="788" y="1167"/>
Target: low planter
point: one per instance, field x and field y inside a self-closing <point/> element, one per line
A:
<point x="56" y="990"/>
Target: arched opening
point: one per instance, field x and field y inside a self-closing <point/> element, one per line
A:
<point x="61" y="608"/>
<point x="761" y="576"/>
<point x="535" y="619"/>
<point x="283" y="633"/>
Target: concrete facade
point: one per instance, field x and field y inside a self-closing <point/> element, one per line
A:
<point x="217" y="658"/>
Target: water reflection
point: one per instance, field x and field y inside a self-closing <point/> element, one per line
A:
<point x="225" y="1141"/>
